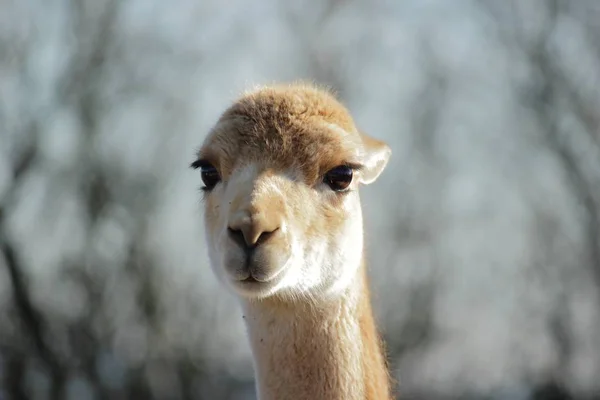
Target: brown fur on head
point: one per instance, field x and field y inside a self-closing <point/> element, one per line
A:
<point x="276" y="219"/>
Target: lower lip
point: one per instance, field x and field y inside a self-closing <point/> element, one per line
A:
<point x="252" y="283"/>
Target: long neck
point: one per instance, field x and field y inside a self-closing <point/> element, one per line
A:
<point x="325" y="350"/>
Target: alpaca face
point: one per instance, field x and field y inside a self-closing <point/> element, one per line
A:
<point x="282" y="211"/>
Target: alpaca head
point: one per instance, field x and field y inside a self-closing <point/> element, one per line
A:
<point x="281" y="170"/>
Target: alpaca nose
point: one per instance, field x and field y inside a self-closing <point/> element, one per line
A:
<point x="250" y="230"/>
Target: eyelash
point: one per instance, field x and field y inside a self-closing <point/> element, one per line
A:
<point x="353" y="167"/>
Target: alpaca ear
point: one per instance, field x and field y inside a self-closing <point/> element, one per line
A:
<point x="375" y="157"/>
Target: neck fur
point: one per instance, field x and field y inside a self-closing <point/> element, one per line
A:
<point x="322" y="349"/>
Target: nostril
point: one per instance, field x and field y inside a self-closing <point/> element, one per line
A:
<point x="249" y="238"/>
<point x="237" y="236"/>
<point x="264" y="236"/>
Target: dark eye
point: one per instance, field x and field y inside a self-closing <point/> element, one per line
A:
<point x="338" y="178"/>
<point x="210" y="175"/>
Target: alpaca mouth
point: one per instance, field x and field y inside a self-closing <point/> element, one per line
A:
<point x="254" y="274"/>
<point x="258" y="285"/>
<point x="257" y="279"/>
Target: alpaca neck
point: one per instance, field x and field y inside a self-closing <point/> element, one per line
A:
<point x="327" y="349"/>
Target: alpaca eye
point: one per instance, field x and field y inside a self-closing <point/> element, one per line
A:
<point x="338" y="178"/>
<point x="210" y="175"/>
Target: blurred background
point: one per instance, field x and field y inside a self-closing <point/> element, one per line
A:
<point x="483" y="232"/>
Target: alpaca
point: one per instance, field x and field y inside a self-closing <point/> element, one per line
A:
<point x="281" y="171"/>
